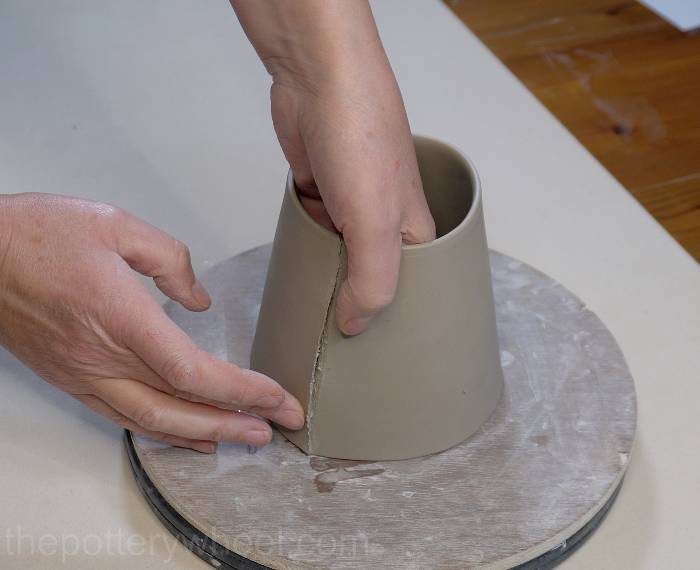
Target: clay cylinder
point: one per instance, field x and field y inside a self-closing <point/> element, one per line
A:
<point x="426" y="373"/>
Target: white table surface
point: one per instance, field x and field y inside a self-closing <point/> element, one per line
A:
<point x="161" y="107"/>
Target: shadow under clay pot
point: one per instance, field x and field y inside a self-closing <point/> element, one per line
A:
<point x="426" y="373"/>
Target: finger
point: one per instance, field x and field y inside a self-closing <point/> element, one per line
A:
<point x="138" y="370"/>
<point x="155" y="411"/>
<point x="175" y="358"/>
<point x="286" y="414"/>
<point x="104" y="409"/>
<point x="156" y="254"/>
<point x="374" y="255"/>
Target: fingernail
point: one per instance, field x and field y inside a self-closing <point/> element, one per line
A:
<point x="258" y="437"/>
<point x="355" y="326"/>
<point x="200" y="294"/>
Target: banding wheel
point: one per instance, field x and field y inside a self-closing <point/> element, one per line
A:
<point x="524" y="491"/>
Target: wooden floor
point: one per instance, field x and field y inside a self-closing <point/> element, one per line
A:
<point x="622" y="80"/>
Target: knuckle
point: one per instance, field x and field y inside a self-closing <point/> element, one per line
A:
<point x="419" y="230"/>
<point x="180" y="373"/>
<point x="216" y="433"/>
<point x="120" y="420"/>
<point x="107" y="220"/>
<point x="182" y="253"/>
<point x="106" y="213"/>
<point x="150" y="418"/>
<point x="236" y="388"/>
<point x="242" y="392"/>
<point x="426" y="230"/>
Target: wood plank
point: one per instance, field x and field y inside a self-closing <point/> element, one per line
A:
<point x="624" y="81"/>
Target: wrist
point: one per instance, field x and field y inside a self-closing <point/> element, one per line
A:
<point x="312" y="43"/>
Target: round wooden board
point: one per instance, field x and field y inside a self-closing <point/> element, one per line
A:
<point x="525" y="490"/>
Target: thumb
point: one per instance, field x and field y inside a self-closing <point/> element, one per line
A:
<point x="374" y="256"/>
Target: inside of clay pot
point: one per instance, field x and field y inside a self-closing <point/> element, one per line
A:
<point x="448" y="183"/>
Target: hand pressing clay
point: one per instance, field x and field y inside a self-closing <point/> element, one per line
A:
<point x="426" y="374"/>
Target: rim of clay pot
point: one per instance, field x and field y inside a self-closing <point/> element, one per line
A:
<point x="468" y="220"/>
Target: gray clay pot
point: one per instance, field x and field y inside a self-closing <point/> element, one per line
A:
<point x="427" y="373"/>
